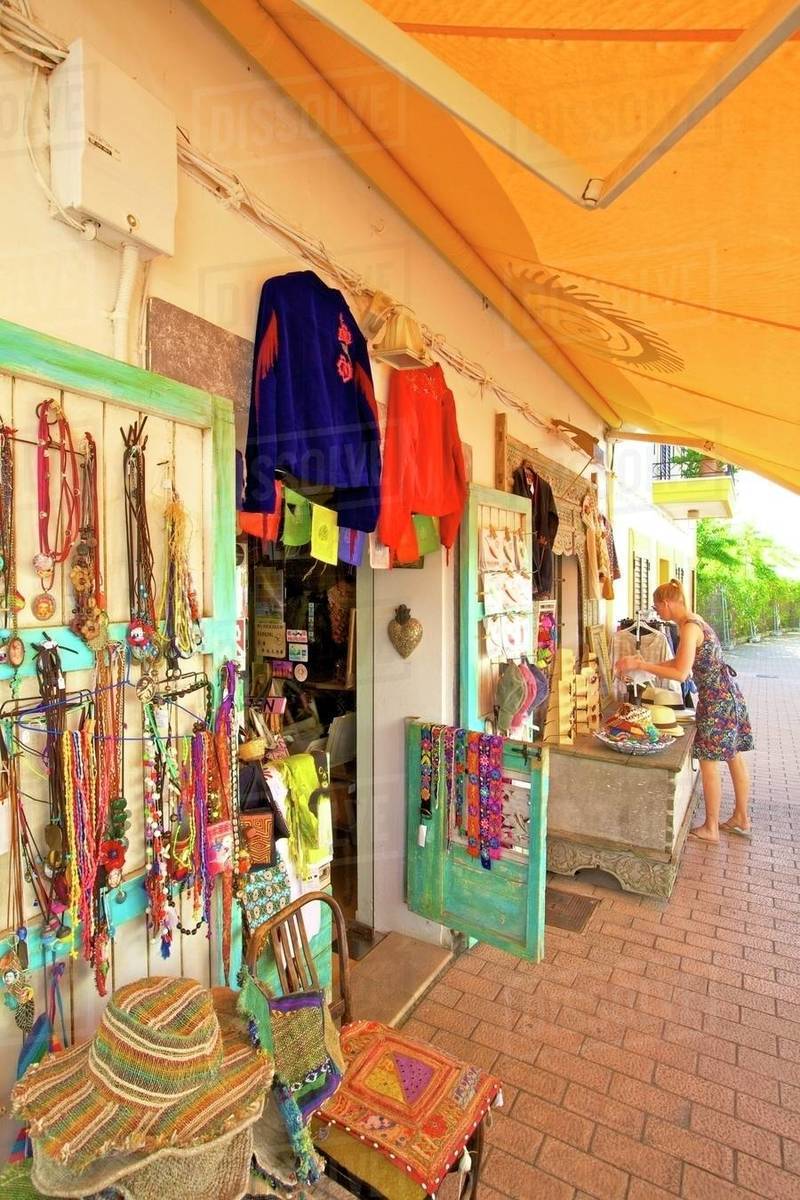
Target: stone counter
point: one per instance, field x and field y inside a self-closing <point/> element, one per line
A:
<point x="622" y="813"/>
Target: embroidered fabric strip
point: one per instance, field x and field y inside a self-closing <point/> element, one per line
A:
<point x="495" y="818"/>
<point x="425" y="773"/>
<point x="473" y="793"/>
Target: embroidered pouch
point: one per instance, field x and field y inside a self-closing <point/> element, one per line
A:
<point x="219" y="848"/>
<point x="258" y="836"/>
<point x="265" y="892"/>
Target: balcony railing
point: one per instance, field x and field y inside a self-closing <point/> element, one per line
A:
<point x="664" y="468"/>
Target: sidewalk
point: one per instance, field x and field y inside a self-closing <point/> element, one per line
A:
<point x="658" y="1053"/>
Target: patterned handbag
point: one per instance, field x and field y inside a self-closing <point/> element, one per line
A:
<point x="266" y="891"/>
<point x="257" y="834"/>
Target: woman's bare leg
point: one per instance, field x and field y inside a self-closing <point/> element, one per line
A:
<point x="740" y="777"/>
<point x="712" y="796"/>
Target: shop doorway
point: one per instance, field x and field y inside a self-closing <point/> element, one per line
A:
<point x="303" y="681"/>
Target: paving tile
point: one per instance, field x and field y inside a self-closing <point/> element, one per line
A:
<point x="640" y="1189"/>
<point x="442" y="1017"/>
<point x="751" y="1082"/>
<point x="701" y="1041"/>
<point x="515" y="1137"/>
<point x="692" y="1087"/>
<point x="690" y="1147"/>
<point x="767" y="1064"/>
<point x="738" y="1033"/>
<point x="515" y="1178"/>
<point x="531" y="1029"/>
<point x="739" y="1135"/>
<point x="529" y="1078"/>
<point x="601" y="1108"/>
<point x="582" y="1170"/>
<point x="627" y="1062"/>
<point x="644" y="1162"/>
<point x="468" y="981"/>
<point x="699" y="1185"/>
<point x="594" y="1026"/>
<point x="682" y="1057"/>
<point x="580" y="1070"/>
<point x="488" y="1010"/>
<point x="651" y="1099"/>
<point x="469" y="1051"/>
<point x="779" y="1119"/>
<point x="767" y="1181"/>
<point x="550" y="1118"/>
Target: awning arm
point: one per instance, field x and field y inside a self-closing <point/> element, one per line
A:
<point x="361" y="25"/>
<point x="749" y="50"/>
<point x="661" y="439"/>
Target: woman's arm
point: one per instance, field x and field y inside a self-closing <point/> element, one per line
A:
<point x="679" y="667"/>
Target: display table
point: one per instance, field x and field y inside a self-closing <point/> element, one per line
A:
<point x="620" y="813"/>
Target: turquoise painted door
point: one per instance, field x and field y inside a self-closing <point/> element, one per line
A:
<point x="504" y="905"/>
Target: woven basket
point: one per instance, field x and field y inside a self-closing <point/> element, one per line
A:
<point x="253" y="751"/>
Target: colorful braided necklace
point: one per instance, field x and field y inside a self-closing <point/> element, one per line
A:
<point x="13" y="651"/>
<point x="51" y="553"/>
<point x="142" y="636"/>
<point x="89" y="618"/>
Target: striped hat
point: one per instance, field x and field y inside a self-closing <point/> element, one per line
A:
<point x="162" y="1070"/>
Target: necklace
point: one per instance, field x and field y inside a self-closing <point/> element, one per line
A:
<point x="13" y="651"/>
<point x="177" y="608"/>
<point x="142" y="637"/>
<point x="89" y="618"/>
<point x="50" y="554"/>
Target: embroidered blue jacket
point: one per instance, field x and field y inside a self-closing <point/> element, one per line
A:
<point x="312" y="406"/>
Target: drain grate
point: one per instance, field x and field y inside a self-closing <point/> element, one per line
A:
<point x="568" y="910"/>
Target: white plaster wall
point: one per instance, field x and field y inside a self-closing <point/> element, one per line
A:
<point x="53" y="281"/>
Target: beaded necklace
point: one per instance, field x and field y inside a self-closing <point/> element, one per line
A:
<point x="13" y="651"/>
<point x="80" y="777"/>
<point x="178" y="609"/>
<point x="225" y="785"/>
<point x="89" y="618"/>
<point x="50" y="554"/>
<point x="142" y="637"/>
<point x="111" y="820"/>
<point x="160" y="772"/>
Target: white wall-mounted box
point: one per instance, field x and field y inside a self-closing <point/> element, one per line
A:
<point x="113" y="155"/>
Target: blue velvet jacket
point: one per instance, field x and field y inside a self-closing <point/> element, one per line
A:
<point x="312" y="407"/>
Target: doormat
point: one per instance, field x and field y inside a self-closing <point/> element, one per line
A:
<point x="568" y="910"/>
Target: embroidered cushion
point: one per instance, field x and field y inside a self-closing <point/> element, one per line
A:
<point x="415" y="1104"/>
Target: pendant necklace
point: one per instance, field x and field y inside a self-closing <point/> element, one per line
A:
<point x="12" y="650"/>
<point x="89" y="618"/>
<point x="142" y="635"/>
<point x="51" y="415"/>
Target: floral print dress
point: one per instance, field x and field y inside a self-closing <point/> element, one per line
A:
<point x="723" y="726"/>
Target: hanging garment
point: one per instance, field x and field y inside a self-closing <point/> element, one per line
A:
<point x="423" y="463"/>
<point x="312" y="407"/>
<point x="544" y="523"/>
<point x="613" y="558"/>
<point x="654" y="648"/>
<point x="594" y="583"/>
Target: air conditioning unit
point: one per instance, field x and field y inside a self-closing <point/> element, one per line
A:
<point x="113" y="154"/>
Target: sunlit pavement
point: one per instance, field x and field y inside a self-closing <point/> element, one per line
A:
<point x="658" y="1053"/>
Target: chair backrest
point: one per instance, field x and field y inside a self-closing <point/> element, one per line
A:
<point x="286" y="935"/>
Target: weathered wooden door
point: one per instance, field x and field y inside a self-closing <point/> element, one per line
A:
<point x="504" y="905"/>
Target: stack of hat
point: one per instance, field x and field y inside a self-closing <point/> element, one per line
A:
<point x="632" y="723"/>
<point x="663" y="717"/>
<point x="520" y="689"/>
<point x="662" y="696"/>
<point x="161" y="1101"/>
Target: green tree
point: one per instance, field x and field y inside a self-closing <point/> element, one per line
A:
<point x="752" y="571"/>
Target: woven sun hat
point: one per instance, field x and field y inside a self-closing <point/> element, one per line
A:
<point x="654" y="695"/>
<point x="162" y="1071"/>
<point x="662" y="716"/>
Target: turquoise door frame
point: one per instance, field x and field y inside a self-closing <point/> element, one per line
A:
<point x="503" y="906"/>
<point x="26" y="354"/>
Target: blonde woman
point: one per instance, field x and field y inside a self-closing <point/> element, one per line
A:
<point x="723" y="726"/>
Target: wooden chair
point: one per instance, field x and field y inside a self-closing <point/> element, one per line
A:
<point x="286" y="935"/>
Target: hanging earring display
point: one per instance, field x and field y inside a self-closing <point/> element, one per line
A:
<point x="51" y="553"/>
<point x="12" y="651"/>
<point x="142" y="636"/>
<point x="178" y="609"/>
<point x="89" y="618"/>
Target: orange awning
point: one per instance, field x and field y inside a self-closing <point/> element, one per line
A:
<point x="673" y="311"/>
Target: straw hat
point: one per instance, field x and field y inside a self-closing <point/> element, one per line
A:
<point x="654" y="695"/>
<point x="162" y="1071"/>
<point x="664" y="720"/>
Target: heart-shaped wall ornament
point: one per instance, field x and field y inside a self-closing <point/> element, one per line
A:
<point x="405" y="631"/>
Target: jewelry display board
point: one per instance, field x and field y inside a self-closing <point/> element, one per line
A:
<point x="190" y="450"/>
<point x="569" y="489"/>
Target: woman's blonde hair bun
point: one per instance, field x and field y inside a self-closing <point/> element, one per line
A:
<point x="671" y="593"/>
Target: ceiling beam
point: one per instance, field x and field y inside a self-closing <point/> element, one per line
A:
<point x="383" y="41"/>
<point x="778" y="23"/>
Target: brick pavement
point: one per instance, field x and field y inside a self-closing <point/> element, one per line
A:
<point x="658" y="1053"/>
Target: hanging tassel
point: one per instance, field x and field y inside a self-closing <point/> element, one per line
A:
<point x="498" y="1100"/>
<point x="465" y="1162"/>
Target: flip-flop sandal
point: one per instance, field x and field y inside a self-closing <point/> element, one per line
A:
<point x="737" y="829"/>
<point x="703" y="841"/>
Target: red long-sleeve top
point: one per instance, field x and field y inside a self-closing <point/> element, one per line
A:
<point x="423" y="464"/>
